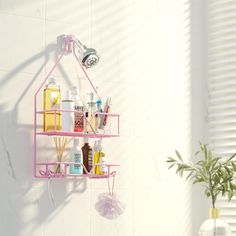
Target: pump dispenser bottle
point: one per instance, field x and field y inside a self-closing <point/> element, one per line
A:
<point x="52" y="96"/>
<point x="76" y="155"/>
<point x="67" y="117"/>
<point x="87" y="155"/>
<point x="78" y="106"/>
<point x="99" y="158"/>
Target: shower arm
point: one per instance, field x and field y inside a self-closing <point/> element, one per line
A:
<point x="69" y="42"/>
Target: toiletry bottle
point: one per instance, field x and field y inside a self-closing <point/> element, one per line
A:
<point x="67" y="120"/>
<point x="76" y="155"/>
<point x="100" y="116"/>
<point x="95" y="158"/>
<point x="99" y="159"/>
<point x="78" y="106"/>
<point x="107" y="110"/>
<point x="102" y="158"/>
<point x="87" y="155"/>
<point x="107" y="119"/>
<point x="51" y="97"/>
<point x="90" y="115"/>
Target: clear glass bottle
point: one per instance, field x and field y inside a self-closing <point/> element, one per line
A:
<point x="51" y="101"/>
<point x="90" y="116"/>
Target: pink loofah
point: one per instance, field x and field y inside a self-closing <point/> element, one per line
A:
<point x="109" y="206"/>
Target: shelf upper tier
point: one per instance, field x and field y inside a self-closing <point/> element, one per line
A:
<point x="77" y="134"/>
<point x="93" y="134"/>
<point x="75" y="111"/>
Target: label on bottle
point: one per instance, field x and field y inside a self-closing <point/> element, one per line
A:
<point x="67" y="122"/>
<point x="79" y="119"/>
<point x="78" y="158"/>
<point x="103" y="167"/>
<point x="55" y="100"/>
<point x="90" y="159"/>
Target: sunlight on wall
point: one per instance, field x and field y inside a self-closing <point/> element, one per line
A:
<point x="162" y="107"/>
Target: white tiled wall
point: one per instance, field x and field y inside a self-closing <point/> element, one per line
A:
<point x="144" y="67"/>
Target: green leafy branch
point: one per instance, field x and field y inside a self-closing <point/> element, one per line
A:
<point x="216" y="174"/>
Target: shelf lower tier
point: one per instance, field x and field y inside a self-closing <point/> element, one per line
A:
<point x="46" y="171"/>
<point x="77" y="134"/>
<point x="61" y="175"/>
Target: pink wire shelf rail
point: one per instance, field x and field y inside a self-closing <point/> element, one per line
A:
<point x="47" y="169"/>
<point x="92" y="134"/>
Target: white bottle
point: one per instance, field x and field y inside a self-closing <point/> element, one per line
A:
<point x="67" y="120"/>
<point x="76" y="155"/>
<point x="78" y="106"/>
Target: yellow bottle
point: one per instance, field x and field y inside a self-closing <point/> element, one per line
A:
<point x="52" y="97"/>
<point x="99" y="159"/>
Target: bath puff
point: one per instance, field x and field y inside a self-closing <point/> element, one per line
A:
<point x="109" y="206"/>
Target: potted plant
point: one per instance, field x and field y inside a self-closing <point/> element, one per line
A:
<point x="216" y="175"/>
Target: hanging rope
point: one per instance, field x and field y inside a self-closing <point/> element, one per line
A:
<point x="111" y="189"/>
<point x="50" y="193"/>
<point x="108" y="204"/>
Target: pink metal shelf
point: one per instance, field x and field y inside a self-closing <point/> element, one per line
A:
<point x="77" y="134"/>
<point x="82" y="113"/>
<point x="47" y="169"/>
<point x="92" y="134"/>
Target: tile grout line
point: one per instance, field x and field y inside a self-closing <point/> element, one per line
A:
<point x="22" y="72"/>
<point x="23" y="16"/>
<point x="44" y="71"/>
<point x="90" y="209"/>
<point x="133" y="199"/>
<point x="45" y="26"/>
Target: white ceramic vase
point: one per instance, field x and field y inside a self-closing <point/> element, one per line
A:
<point x="214" y="226"/>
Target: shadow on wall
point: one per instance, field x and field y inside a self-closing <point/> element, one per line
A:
<point x="18" y="188"/>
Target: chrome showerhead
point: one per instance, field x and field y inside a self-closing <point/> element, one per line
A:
<point x="89" y="57"/>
